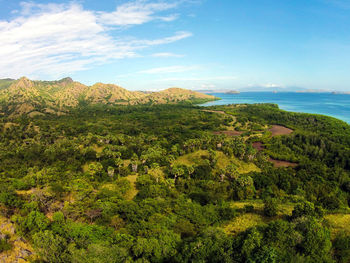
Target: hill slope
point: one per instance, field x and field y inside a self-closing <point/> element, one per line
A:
<point x="24" y="96"/>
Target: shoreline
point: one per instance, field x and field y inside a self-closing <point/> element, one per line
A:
<point x="323" y="104"/>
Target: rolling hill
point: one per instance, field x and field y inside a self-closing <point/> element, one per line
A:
<point x="25" y="96"/>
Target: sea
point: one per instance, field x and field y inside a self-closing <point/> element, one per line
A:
<point x="335" y="105"/>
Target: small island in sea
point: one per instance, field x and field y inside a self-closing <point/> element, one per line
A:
<point x="233" y="92"/>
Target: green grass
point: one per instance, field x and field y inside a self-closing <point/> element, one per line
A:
<point x="222" y="163"/>
<point x="245" y="221"/>
<point x="133" y="191"/>
<point x="338" y="223"/>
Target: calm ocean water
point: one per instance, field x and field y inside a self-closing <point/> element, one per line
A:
<point x="335" y="105"/>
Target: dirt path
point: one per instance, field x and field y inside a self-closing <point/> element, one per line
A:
<point x="228" y="133"/>
<point x="217" y="111"/>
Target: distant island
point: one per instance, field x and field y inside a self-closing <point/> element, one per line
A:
<point x="341" y="92"/>
<point x="232" y="92"/>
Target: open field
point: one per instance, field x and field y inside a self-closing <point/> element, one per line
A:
<point x="223" y="161"/>
<point x="247" y="220"/>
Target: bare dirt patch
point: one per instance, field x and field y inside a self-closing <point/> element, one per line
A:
<point x="280" y="130"/>
<point x="258" y="146"/>
<point x="228" y="133"/>
<point x="279" y="163"/>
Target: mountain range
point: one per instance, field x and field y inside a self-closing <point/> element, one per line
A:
<point x="25" y="96"/>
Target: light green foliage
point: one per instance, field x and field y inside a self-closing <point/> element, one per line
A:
<point x="50" y="247"/>
<point x="32" y="223"/>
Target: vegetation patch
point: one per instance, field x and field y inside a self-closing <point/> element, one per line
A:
<point x="338" y="223"/>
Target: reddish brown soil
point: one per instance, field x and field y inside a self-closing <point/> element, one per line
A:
<point x="228" y="133"/>
<point x="280" y="130"/>
<point x="278" y="163"/>
<point x="258" y="146"/>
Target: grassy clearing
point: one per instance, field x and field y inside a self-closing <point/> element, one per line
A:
<point x="192" y="158"/>
<point x="243" y="222"/>
<point x="223" y="161"/>
<point x="242" y="167"/>
<point x="247" y="220"/>
<point x="284" y="209"/>
<point x="338" y="223"/>
<point x="133" y="191"/>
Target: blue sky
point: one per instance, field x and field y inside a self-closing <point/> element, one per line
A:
<point x="195" y="44"/>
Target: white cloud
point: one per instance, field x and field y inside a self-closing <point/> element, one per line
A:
<point x="171" y="69"/>
<point x="58" y="39"/>
<point x="167" y="55"/>
<point x="167" y="40"/>
<point x="136" y="13"/>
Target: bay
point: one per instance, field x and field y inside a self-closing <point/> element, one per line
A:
<point x="335" y="105"/>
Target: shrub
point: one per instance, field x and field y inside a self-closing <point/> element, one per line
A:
<point x="249" y="208"/>
<point x="270" y="207"/>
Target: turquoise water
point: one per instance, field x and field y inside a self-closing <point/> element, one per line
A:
<point x="335" y="105"/>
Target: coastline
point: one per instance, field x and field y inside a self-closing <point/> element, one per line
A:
<point x="326" y="104"/>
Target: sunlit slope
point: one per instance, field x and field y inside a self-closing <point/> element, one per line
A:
<point x="24" y="96"/>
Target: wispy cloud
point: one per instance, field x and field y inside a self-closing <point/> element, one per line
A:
<point x="136" y="13"/>
<point x="57" y="39"/>
<point x="171" y="69"/>
<point x="266" y="85"/>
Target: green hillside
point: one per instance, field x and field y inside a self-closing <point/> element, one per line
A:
<point x="33" y="98"/>
<point x="173" y="183"/>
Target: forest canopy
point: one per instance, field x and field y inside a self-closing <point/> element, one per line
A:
<point x="175" y="183"/>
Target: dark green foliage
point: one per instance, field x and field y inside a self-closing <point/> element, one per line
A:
<point x="342" y="248"/>
<point x="32" y="223"/>
<point x="4" y="243"/>
<point x="270" y="207"/>
<point x="307" y="209"/>
<point x="249" y="208"/>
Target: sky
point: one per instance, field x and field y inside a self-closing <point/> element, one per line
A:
<point x="194" y="44"/>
